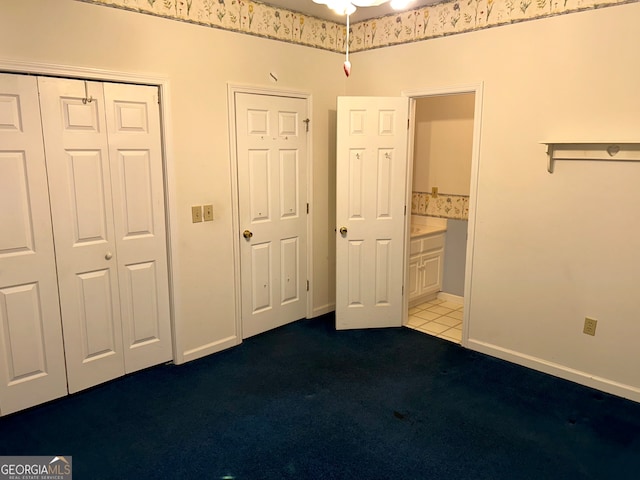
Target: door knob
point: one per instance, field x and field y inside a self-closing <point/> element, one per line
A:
<point x="247" y="234"/>
<point x="343" y="230"/>
<point x="108" y="256"/>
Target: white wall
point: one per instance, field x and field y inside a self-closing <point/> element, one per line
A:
<point x="550" y="249"/>
<point x="443" y="143"/>
<point x="198" y="62"/>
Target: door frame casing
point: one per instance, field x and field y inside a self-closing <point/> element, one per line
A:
<point x="168" y="164"/>
<point x="477" y="89"/>
<point x="232" y="89"/>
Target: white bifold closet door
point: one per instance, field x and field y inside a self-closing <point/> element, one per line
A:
<point x="32" y="368"/>
<point x="104" y="165"/>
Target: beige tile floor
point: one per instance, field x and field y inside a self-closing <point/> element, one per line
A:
<point x="439" y="318"/>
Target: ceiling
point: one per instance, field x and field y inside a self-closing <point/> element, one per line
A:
<point x="308" y="7"/>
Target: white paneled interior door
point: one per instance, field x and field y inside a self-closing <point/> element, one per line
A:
<point x="272" y="161"/>
<point x="372" y="143"/>
<point x="133" y="125"/>
<point x="107" y="205"/>
<point x="81" y="206"/>
<point x="32" y="368"/>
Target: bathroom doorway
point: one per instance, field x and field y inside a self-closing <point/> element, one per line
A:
<point x="442" y="194"/>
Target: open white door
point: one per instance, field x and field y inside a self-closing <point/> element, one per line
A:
<point x="371" y="169"/>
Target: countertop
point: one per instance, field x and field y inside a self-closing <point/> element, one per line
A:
<point x="422" y="230"/>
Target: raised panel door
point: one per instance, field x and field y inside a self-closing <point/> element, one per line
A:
<point x="137" y="187"/>
<point x="414" y="277"/>
<point x="431" y="279"/>
<point x="32" y="368"/>
<point x="271" y="149"/>
<point x="370" y="214"/>
<point x="74" y="126"/>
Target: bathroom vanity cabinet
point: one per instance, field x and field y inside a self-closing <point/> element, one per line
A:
<point x="426" y="260"/>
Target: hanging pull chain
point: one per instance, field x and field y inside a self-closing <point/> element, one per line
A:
<point x="347" y="64"/>
<point x="87" y="98"/>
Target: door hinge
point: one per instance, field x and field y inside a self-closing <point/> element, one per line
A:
<point x="306" y="121"/>
<point x="408" y="120"/>
<point x="307" y="209"/>
<point x="402" y="289"/>
<point x="307" y="285"/>
<point x="405" y="210"/>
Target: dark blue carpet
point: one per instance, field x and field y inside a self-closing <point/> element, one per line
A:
<point x="307" y="402"/>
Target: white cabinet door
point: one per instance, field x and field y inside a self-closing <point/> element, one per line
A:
<point x="81" y="207"/>
<point x="372" y="143"/>
<point x="425" y="267"/>
<point x="133" y="125"/>
<point x="32" y="369"/>
<point x="272" y="162"/>
<point x="414" y="276"/>
<point x="431" y="277"/>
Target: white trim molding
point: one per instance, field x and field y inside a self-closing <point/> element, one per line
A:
<point x="555" y="369"/>
<point x="477" y="88"/>
<point x="323" y="309"/>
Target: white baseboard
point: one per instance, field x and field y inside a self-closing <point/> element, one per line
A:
<point x="328" y="308"/>
<point x="450" y="297"/>
<point x="557" y="370"/>
<point x="207" y="349"/>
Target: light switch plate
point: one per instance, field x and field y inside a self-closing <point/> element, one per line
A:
<point x="590" y="326"/>
<point x="196" y="214"/>
<point x="207" y="213"/>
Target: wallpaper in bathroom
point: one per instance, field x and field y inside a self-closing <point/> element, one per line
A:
<point x="444" y="205"/>
<point x="445" y="18"/>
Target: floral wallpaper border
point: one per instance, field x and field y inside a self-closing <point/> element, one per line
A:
<point x="446" y="18"/>
<point x="243" y="16"/>
<point x="460" y="16"/>
<point x="443" y="206"/>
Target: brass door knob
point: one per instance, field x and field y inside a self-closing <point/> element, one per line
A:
<point x="247" y="234"/>
<point x="343" y="230"/>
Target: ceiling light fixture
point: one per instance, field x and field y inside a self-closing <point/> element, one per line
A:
<point x="347" y="7"/>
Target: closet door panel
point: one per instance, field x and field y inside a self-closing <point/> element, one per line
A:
<point x="98" y="335"/>
<point x="32" y="368"/>
<point x="133" y="124"/>
<point x="78" y="164"/>
<point x="86" y="197"/>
